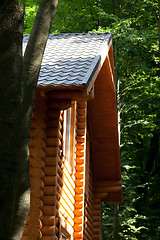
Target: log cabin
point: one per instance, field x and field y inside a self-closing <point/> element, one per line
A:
<point x="74" y="150"/>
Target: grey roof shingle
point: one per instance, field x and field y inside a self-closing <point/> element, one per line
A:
<point x="71" y="59"/>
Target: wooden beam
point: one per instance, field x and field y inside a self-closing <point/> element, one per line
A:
<point x="74" y="95"/>
<point x="107" y="189"/>
<point x="107" y="183"/>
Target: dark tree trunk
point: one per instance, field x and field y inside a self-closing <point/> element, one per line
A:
<point x="18" y="77"/>
<point x="159" y="30"/>
<point x="12" y="175"/>
<point x="116" y="228"/>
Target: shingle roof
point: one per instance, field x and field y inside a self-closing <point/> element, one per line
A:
<point x="71" y="59"/>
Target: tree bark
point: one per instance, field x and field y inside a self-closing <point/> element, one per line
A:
<point x="159" y="29"/>
<point x="11" y="71"/>
<point x="116" y="229"/>
<point x="18" y="86"/>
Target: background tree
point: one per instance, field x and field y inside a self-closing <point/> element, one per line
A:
<point x="18" y="86"/>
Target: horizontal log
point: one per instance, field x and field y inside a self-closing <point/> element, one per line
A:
<point x="36" y="152"/>
<point x="78" y="220"/>
<point x="96" y="201"/>
<point x="79" y="182"/>
<point x="52" y="142"/>
<point x="78" y="205"/>
<point x="39" y="123"/>
<point x="107" y="183"/>
<point x="100" y="195"/>
<point x="77" y="227"/>
<point x="39" y="113"/>
<point x="81" y="132"/>
<point x="107" y="189"/>
<point x="52" y="132"/>
<point x="96" y="224"/>
<point x="82" y="111"/>
<point x="78" y="212"/>
<point x="40" y="102"/>
<point x="51" y="151"/>
<point x="79" y="167"/>
<point x="96" y="218"/>
<point x="60" y="104"/>
<point x="34" y="221"/>
<point x="53" y="114"/>
<point x="78" y="197"/>
<point x="50" y="190"/>
<point x="48" y="210"/>
<point x="35" y="213"/>
<point x="79" y="175"/>
<point x="79" y="160"/>
<point x="79" y="190"/>
<point x="36" y="192"/>
<point x="33" y="233"/>
<point x="36" y="172"/>
<point x="38" y="133"/>
<point x="81" y="118"/>
<point x="96" y="212"/>
<point x="36" y="182"/>
<point x="74" y="94"/>
<point x="49" y="220"/>
<point x="80" y="139"/>
<point x="36" y="203"/>
<point x="50" y="180"/>
<point x="36" y="162"/>
<point x="82" y="104"/>
<point x="50" y="171"/>
<point x="37" y="143"/>
<point x="96" y="234"/>
<point x="80" y="146"/>
<point x="97" y="206"/>
<point x="80" y="153"/>
<point x="81" y="125"/>
<point x="78" y="235"/>
<point x="49" y="230"/>
<point x="53" y="123"/>
<point x="50" y="161"/>
<point x="49" y="200"/>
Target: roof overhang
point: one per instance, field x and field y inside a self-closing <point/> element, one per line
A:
<point x="102" y="114"/>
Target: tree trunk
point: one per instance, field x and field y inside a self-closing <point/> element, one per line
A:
<point x="116" y="228"/>
<point x="18" y="86"/>
<point x="159" y="29"/>
<point x="12" y="176"/>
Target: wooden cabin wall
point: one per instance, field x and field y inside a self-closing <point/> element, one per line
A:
<point x="33" y="228"/>
<point x="57" y="192"/>
<point x="52" y="183"/>
<point x="80" y="170"/>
